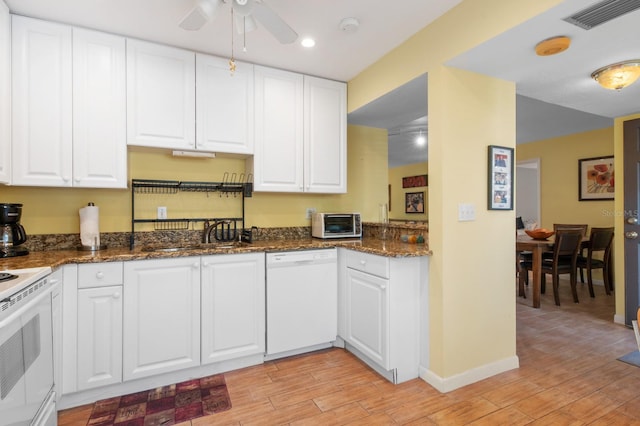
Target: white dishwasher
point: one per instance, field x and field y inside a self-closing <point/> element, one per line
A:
<point x="302" y="301"/>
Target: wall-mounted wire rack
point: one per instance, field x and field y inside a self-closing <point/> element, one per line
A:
<point x="238" y="189"/>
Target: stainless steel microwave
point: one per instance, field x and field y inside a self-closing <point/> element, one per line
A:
<point x="336" y="225"/>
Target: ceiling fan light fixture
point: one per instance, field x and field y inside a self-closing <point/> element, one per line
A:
<point x="243" y="7"/>
<point x="619" y="75"/>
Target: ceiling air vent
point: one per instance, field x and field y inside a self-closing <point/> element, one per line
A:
<point x="602" y="12"/>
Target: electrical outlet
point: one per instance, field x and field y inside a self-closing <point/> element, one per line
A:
<point x="162" y="212"/>
<point x="310" y="212"/>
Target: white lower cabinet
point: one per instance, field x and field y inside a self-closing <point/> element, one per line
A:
<point x="233" y="306"/>
<point x="99" y="329"/>
<point x="161" y="316"/>
<point x="368" y="315"/>
<point x="379" y="313"/>
<point x="99" y="336"/>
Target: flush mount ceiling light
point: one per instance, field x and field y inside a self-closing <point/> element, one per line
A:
<point x="619" y="75"/>
<point x="420" y="139"/>
<point x="553" y="46"/>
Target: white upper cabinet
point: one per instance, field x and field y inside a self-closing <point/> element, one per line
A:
<point x="41" y="103"/>
<point x="5" y="94"/>
<point x="278" y="160"/>
<point x="325" y="132"/>
<point x="300" y="133"/>
<point x="160" y="96"/>
<point x="68" y="106"/>
<point x="99" y="116"/>
<point x="224" y="106"/>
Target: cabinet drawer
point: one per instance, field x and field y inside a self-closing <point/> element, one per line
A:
<point x="99" y="274"/>
<point x="368" y="263"/>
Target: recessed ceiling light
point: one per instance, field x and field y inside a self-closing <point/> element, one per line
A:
<point x="308" y="42"/>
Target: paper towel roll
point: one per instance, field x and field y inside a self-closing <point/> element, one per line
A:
<point x="90" y="226"/>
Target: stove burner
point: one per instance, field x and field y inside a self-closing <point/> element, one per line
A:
<point x="5" y="276"/>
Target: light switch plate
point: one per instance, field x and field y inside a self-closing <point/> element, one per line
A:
<point x="466" y="212"/>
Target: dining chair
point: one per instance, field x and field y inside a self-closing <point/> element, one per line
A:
<point x="527" y="256"/>
<point x="562" y="261"/>
<point x="600" y="241"/>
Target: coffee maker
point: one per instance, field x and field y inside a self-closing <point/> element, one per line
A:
<point x="12" y="234"/>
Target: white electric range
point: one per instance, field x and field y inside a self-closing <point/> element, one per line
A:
<point x="27" y="394"/>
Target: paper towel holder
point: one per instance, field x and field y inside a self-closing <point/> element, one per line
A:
<point x="94" y="246"/>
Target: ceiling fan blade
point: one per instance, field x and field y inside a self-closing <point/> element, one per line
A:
<point x="202" y="12"/>
<point x="271" y="21"/>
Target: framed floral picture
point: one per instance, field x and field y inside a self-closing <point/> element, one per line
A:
<point x="500" y="178"/>
<point x="596" y="179"/>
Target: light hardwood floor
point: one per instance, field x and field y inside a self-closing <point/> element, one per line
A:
<point x="568" y="375"/>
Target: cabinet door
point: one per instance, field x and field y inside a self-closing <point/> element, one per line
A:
<point x="5" y="90"/>
<point x="99" y="110"/>
<point x="325" y="135"/>
<point x="160" y="96"/>
<point x="41" y="103"/>
<point x="233" y="306"/>
<point x="278" y="159"/>
<point x="161" y="316"/>
<point x="224" y="106"/>
<point x="99" y="336"/>
<point x="368" y="316"/>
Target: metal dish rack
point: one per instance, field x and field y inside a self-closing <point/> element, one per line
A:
<point x="240" y="189"/>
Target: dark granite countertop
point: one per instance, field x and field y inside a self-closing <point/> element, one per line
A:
<point x="55" y="258"/>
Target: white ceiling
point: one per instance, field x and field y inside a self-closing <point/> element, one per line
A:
<point x="556" y="95"/>
<point x="337" y="55"/>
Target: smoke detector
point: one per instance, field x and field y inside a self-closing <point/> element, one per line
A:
<point x="349" y="25"/>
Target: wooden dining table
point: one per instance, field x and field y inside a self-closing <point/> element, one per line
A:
<point x="536" y="247"/>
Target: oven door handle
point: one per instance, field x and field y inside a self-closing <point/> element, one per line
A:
<point x="24" y="308"/>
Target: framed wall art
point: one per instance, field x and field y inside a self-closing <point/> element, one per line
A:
<point x="414" y="181"/>
<point x="414" y="202"/>
<point x="500" y="178"/>
<point x="595" y="179"/>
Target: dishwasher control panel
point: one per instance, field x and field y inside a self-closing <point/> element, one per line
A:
<point x="302" y="256"/>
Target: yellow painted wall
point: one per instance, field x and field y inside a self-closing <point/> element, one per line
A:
<point x="397" y="204"/>
<point x="55" y="210"/>
<point x="559" y="177"/>
<point x="471" y="288"/>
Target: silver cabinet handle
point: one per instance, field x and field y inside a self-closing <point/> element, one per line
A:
<point x="631" y="235"/>
<point x="632" y="220"/>
<point x="99" y="275"/>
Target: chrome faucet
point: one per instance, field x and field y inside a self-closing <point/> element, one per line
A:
<point x="206" y="238"/>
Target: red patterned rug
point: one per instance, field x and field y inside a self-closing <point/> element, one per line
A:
<point x="167" y="405"/>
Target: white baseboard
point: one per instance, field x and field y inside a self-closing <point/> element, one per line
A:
<point x="447" y="384"/>
<point x="618" y="319"/>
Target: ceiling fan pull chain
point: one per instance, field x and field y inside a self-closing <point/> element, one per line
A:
<point x="232" y="61"/>
<point x="244" y="33"/>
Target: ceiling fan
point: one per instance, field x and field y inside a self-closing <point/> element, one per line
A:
<point x="246" y="13"/>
